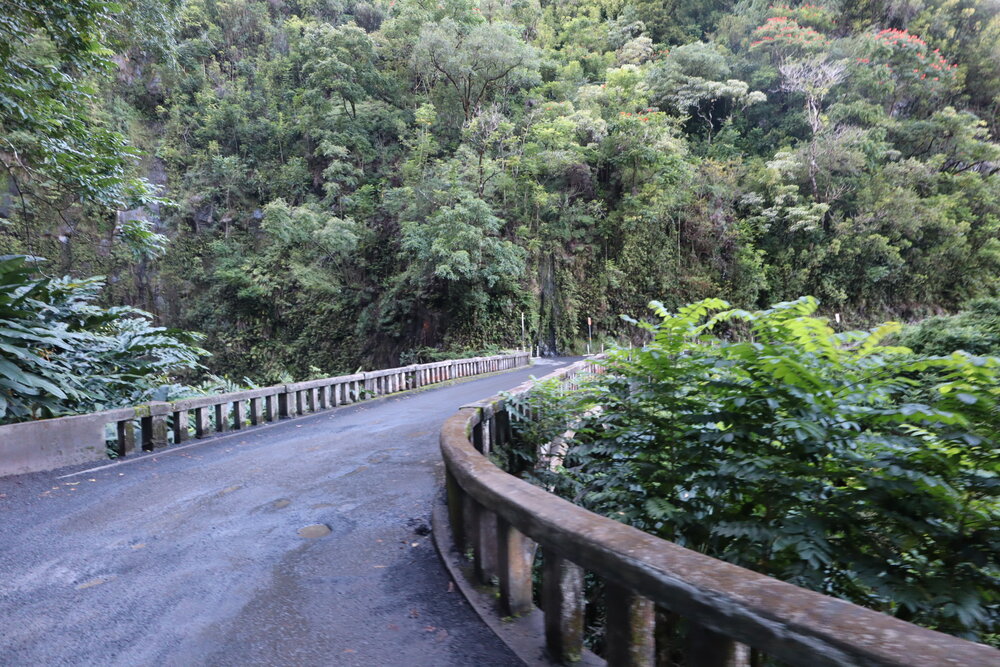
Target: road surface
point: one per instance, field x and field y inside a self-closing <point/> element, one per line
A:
<point x="194" y="556"/>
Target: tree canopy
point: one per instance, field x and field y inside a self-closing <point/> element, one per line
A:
<point x="470" y="161"/>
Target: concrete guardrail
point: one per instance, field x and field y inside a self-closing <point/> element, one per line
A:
<point x="53" y="443"/>
<point x="503" y="521"/>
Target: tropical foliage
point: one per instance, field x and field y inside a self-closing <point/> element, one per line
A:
<point x="830" y="460"/>
<point x="976" y="330"/>
<point x="60" y="353"/>
<point x="350" y="181"/>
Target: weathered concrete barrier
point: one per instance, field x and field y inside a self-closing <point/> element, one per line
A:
<point x="650" y="584"/>
<point x="54" y="443"/>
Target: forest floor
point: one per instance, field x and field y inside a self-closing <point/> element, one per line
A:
<point x="194" y="556"/>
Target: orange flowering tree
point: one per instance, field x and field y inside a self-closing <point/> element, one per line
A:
<point x="898" y="68"/>
<point x="784" y="37"/>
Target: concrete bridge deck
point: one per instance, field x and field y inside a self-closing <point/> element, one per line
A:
<point x="192" y="555"/>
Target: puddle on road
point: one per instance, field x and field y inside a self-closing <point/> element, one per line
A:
<point x="314" y="530"/>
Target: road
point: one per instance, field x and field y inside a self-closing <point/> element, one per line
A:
<point x="194" y="556"/>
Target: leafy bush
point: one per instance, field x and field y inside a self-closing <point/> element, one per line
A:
<point x="975" y="330"/>
<point x="429" y="355"/>
<point x="60" y="353"/>
<point x="801" y="453"/>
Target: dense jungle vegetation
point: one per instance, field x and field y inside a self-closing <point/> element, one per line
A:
<point x="321" y="184"/>
<point x="835" y="461"/>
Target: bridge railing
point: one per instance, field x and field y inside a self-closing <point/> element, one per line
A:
<point x="503" y="521"/>
<point x="53" y="443"/>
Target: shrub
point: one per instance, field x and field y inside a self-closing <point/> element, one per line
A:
<point x="60" y="353"/>
<point x="802" y="453"/>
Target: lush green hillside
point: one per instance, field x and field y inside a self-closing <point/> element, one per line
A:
<point x="352" y="182"/>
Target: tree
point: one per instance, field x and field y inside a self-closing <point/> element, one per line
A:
<point x="695" y="78"/>
<point x="907" y="72"/>
<point x="813" y="78"/>
<point x="53" y="149"/>
<point x="458" y="243"/>
<point x="342" y="61"/>
<point x="473" y="61"/>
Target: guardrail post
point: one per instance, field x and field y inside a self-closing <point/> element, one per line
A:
<point x="255" y="415"/>
<point x="456" y="502"/>
<point x="125" y="444"/>
<point x="335" y="394"/>
<point x="470" y="524"/>
<point x="477" y="437"/>
<point x="629" y="628"/>
<point x="563" y="604"/>
<point x="239" y="414"/>
<point x="709" y="648"/>
<point x="200" y="422"/>
<point x="501" y="428"/>
<point x="490" y="435"/>
<point x="516" y="554"/>
<point x="180" y="426"/>
<point x="154" y="426"/>
<point x="271" y="407"/>
<point x="283" y="404"/>
<point x="221" y="418"/>
<point x="486" y="545"/>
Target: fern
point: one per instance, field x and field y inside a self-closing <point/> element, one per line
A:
<point x="830" y="459"/>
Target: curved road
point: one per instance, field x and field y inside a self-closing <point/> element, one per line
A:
<point x="192" y="556"/>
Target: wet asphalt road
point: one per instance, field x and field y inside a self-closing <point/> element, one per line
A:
<point x="192" y="557"/>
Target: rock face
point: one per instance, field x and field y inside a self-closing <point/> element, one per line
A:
<point x="156" y="173"/>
